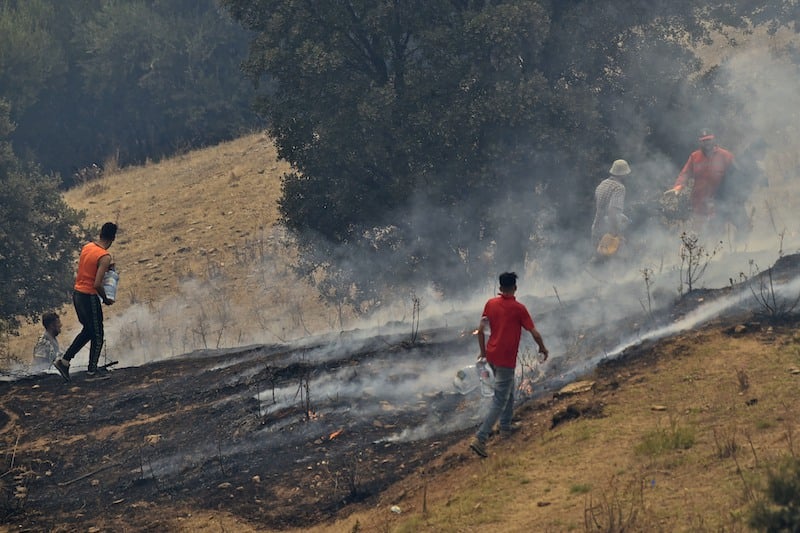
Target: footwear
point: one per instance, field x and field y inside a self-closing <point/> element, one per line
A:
<point x="478" y="447"/>
<point x="510" y="430"/>
<point x="502" y="431"/>
<point x="62" y="365"/>
<point x="97" y="373"/>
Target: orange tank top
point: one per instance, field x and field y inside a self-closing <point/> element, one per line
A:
<point x="87" y="267"/>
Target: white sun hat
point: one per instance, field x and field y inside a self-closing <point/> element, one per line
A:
<point x="620" y="168"/>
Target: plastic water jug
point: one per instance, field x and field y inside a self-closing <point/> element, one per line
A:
<point x="466" y="380"/>
<point x="486" y="377"/>
<point x="110" y="282"/>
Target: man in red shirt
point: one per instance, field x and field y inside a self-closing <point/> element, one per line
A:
<point x="506" y="318"/>
<point x="708" y="167"/>
<point x="93" y="264"/>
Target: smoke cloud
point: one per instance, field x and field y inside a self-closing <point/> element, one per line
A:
<point x="568" y="297"/>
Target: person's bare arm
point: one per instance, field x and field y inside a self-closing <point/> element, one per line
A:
<point x="482" y="338"/>
<point x="537" y="337"/>
<point x="682" y="177"/>
<point x="102" y="267"/>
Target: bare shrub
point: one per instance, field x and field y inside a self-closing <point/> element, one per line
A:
<point x="743" y="379"/>
<point x="111" y="163"/>
<point x="695" y="259"/>
<point x="771" y="303"/>
<point x="95" y="188"/>
<point x="616" y="511"/>
<point x="647" y="276"/>
<point x="415" y="304"/>
<point x="86" y="175"/>
<point x="725" y="443"/>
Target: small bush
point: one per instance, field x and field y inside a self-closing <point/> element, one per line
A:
<point x="580" y="488"/>
<point x="663" y="440"/>
<point x="779" y="510"/>
<point x="725" y="443"/>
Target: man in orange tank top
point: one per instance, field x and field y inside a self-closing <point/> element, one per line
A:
<point x="93" y="264"/>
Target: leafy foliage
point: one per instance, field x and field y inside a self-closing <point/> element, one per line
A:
<point x="779" y="510"/>
<point x="39" y="235"/>
<point x="442" y="141"/>
<point x="89" y="80"/>
<point x="30" y="56"/>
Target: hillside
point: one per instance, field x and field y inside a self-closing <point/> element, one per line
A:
<point x="201" y="260"/>
<point x="363" y="432"/>
<point x="679" y="437"/>
<point x="239" y="402"/>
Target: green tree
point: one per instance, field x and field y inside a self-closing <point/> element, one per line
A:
<point x="39" y="235"/>
<point x="30" y="55"/>
<point x="136" y="80"/>
<point x="440" y="140"/>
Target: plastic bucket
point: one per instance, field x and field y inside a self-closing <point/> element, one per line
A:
<point x="110" y="282"/>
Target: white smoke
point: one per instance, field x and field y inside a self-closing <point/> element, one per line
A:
<point x="579" y="298"/>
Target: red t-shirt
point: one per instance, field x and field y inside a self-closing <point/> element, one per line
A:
<point x="507" y="318"/>
<point x="708" y="173"/>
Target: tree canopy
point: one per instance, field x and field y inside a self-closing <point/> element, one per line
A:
<point x="442" y="140"/>
<point x="39" y="235"/>
<point x="100" y="79"/>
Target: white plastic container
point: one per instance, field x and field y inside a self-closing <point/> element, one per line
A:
<point x="110" y="282"/>
<point x="486" y="377"/>
<point x="466" y="380"/>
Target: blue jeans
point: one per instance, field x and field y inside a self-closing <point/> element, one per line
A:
<point x="502" y="403"/>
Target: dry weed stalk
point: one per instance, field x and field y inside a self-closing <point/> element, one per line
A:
<point x="747" y="484"/>
<point x="743" y="379"/>
<point x="415" y="310"/>
<point x="614" y="513"/>
<point x="647" y="275"/>
<point x="694" y="260"/>
<point x="725" y="443"/>
<point x="772" y="304"/>
<point x="789" y="428"/>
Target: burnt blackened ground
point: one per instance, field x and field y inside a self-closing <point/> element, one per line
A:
<point x="209" y="430"/>
<point x="279" y="435"/>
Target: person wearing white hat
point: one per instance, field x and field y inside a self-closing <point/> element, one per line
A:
<point x="609" y="197"/>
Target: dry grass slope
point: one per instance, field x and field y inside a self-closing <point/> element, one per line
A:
<point x="686" y="435"/>
<point x="199" y="245"/>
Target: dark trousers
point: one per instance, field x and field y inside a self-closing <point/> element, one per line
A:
<point x="90" y="314"/>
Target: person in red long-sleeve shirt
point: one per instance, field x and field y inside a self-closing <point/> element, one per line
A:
<point x="708" y="167"/>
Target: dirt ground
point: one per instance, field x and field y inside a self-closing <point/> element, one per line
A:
<point x="253" y="439"/>
<point x="211" y="430"/>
